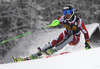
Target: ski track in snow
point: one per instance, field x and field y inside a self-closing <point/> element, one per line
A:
<point x="30" y="43"/>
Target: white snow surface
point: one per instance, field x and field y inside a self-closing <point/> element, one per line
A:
<point x="79" y="58"/>
<point x="84" y="59"/>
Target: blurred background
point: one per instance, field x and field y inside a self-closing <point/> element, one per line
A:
<point x="18" y="17"/>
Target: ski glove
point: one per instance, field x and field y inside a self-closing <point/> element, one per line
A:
<point x="51" y="51"/>
<point x="87" y="45"/>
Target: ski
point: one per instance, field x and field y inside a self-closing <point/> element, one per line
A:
<point x="18" y="59"/>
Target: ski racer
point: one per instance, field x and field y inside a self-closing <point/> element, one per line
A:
<point x="74" y="26"/>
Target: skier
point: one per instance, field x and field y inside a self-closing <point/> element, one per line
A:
<point x="74" y="25"/>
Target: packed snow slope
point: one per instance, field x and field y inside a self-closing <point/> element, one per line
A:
<point x="29" y="46"/>
<point x="84" y="59"/>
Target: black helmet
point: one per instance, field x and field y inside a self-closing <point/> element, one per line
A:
<point x="68" y="9"/>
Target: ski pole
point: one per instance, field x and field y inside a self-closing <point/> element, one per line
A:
<point x="54" y="23"/>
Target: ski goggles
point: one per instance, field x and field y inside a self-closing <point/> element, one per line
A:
<point x="68" y="11"/>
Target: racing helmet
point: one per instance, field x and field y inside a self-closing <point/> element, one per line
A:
<point x="68" y="9"/>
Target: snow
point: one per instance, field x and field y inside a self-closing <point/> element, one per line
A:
<point x="78" y="59"/>
<point x="85" y="59"/>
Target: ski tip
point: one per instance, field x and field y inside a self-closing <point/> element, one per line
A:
<point x="14" y="58"/>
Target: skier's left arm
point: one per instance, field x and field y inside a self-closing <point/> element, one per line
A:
<point x="85" y="32"/>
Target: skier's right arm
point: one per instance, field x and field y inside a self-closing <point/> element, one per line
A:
<point x="61" y="19"/>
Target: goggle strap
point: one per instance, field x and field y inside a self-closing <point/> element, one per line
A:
<point x="72" y="10"/>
